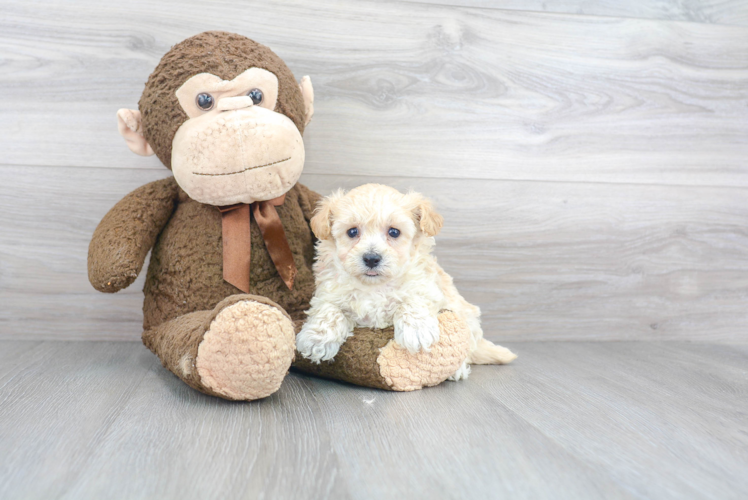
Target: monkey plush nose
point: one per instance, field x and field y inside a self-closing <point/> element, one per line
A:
<point x="372" y="260"/>
<point x="231" y="103"/>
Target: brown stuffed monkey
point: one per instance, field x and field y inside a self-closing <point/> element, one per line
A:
<point x="232" y="250"/>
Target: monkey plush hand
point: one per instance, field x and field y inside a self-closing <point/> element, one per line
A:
<point x="230" y="271"/>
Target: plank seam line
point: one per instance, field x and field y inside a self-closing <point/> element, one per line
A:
<point x="482" y="9"/>
<point x="479" y="179"/>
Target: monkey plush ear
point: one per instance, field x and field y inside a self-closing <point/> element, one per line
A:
<point x="131" y="128"/>
<point x="321" y="223"/>
<point x="307" y="92"/>
<point x="428" y="219"/>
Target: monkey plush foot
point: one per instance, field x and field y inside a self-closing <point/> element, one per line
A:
<point x="372" y="358"/>
<point x="241" y="350"/>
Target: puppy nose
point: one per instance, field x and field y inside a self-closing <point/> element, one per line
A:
<point x="232" y="103"/>
<point x="372" y="260"/>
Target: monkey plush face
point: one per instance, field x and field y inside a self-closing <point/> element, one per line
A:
<point x="226" y="115"/>
<point x="235" y="148"/>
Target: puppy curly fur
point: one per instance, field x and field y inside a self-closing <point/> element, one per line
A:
<point x="374" y="268"/>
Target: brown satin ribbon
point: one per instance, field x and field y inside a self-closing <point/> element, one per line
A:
<point x="237" y="241"/>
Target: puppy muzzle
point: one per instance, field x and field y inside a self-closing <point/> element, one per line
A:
<point x="372" y="260"/>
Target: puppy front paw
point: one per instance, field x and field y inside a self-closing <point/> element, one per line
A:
<point x="416" y="334"/>
<point x="316" y="346"/>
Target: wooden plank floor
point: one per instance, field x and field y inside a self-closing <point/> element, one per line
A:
<point x="573" y="420"/>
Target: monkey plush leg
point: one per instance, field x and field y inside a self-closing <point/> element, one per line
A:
<point x="371" y="358"/>
<point x="240" y="350"/>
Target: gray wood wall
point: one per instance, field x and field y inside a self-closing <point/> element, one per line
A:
<point x="590" y="158"/>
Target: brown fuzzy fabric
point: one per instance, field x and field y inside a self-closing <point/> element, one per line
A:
<point x="356" y="362"/>
<point x="172" y="340"/>
<point x="179" y="339"/>
<point x="126" y="234"/>
<point x="186" y="269"/>
<point x="185" y="289"/>
<point x="371" y="358"/>
<point x="223" y="54"/>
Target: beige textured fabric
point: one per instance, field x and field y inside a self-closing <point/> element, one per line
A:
<point x="371" y="358"/>
<point x="228" y="90"/>
<point x="404" y="371"/>
<point x="225" y="55"/>
<point x="241" y="156"/>
<point x="247" y="351"/>
<point x="130" y="127"/>
<point x="307" y="92"/>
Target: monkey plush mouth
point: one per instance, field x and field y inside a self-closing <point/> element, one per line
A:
<point x="243" y="170"/>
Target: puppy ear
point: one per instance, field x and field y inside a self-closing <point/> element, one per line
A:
<point x="428" y="219"/>
<point x="322" y="219"/>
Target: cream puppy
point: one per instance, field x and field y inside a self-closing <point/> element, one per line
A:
<point x="374" y="268"/>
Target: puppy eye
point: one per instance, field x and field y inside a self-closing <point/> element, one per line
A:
<point x="255" y="95"/>
<point x="394" y="233"/>
<point x="352" y="232"/>
<point x="204" y="101"/>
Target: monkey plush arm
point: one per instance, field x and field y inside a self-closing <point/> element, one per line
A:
<point x="126" y="234"/>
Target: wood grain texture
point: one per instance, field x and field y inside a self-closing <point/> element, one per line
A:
<point x="592" y="170"/>
<point x="405" y="89"/>
<point x="575" y="261"/>
<point x="721" y="12"/>
<point x="543" y="260"/>
<point x="568" y="420"/>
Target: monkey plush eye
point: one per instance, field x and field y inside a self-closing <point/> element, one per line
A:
<point x="256" y="95"/>
<point x="352" y="232"/>
<point x="394" y="233"/>
<point x="204" y="101"/>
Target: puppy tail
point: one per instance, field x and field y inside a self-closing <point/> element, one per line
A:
<point x="488" y="353"/>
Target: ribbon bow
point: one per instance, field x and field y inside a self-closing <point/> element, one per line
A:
<point x="237" y="241"/>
